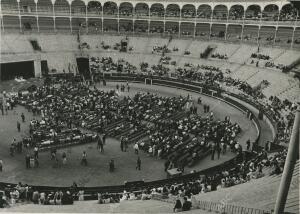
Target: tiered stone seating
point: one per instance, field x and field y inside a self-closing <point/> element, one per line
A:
<point x="259" y="193"/>
<point x="15" y="43"/>
<point x="243" y="54"/>
<point x="239" y="56"/>
<point x="288" y="57"/>
<point x="57" y="43"/>
<point x="292" y="93"/>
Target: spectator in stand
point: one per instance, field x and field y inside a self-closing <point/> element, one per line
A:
<point x="186" y="206"/>
<point x="177" y="206"/>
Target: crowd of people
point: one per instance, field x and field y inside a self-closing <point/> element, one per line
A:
<point x="245" y="171"/>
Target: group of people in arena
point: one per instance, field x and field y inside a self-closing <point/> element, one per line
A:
<point x="64" y="106"/>
<point x="240" y="173"/>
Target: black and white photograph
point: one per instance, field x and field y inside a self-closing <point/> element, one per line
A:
<point x="150" y="106"/>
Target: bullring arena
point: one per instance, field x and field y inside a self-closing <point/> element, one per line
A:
<point x="149" y="107"/>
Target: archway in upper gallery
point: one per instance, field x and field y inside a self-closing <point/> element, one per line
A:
<point x="78" y="8"/>
<point x="94" y="8"/>
<point x="157" y="10"/>
<point x="220" y="12"/>
<point x="110" y="8"/>
<point x="288" y="13"/>
<point x="27" y="7"/>
<point x="253" y="12"/>
<point x="126" y="9"/>
<point x="270" y="12"/>
<point x="10" y="6"/>
<point x="62" y="7"/>
<point x="44" y="7"/>
<point x="188" y="11"/>
<point x="204" y="11"/>
<point x="141" y="10"/>
<point x="236" y="12"/>
<point x="173" y="10"/>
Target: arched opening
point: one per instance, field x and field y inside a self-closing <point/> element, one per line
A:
<point x="44" y="7"/>
<point x="270" y="13"/>
<point x="94" y="26"/>
<point x="9" y="6"/>
<point x="46" y="24"/>
<point x="204" y="11"/>
<point x="187" y="29"/>
<point x="126" y="26"/>
<point x="172" y="28"/>
<point x="27" y="7"/>
<point x="62" y="24"/>
<point x="141" y="26"/>
<point x="61" y="7"/>
<point x="288" y="13"/>
<point x="234" y="32"/>
<point x="188" y="11"/>
<point x="78" y="7"/>
<point x="173" y="10"/>
<point x="126" y="9"/>
<point x="236" y="12"/>
<point x="110" y="25"/>
<point x="141" y="9"/>
<point x="157" y="10"/>
<point x="110" y="8"/>
<point x="156" y="27"/>
<point x="218" y="31"/>
<point x="220" y="12"/>
<point x="94" y="8"/>
<point x="253" y="12"/>
<point x="202" y="30"/>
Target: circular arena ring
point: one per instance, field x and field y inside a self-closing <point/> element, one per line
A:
<point x="96" y="176"/>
